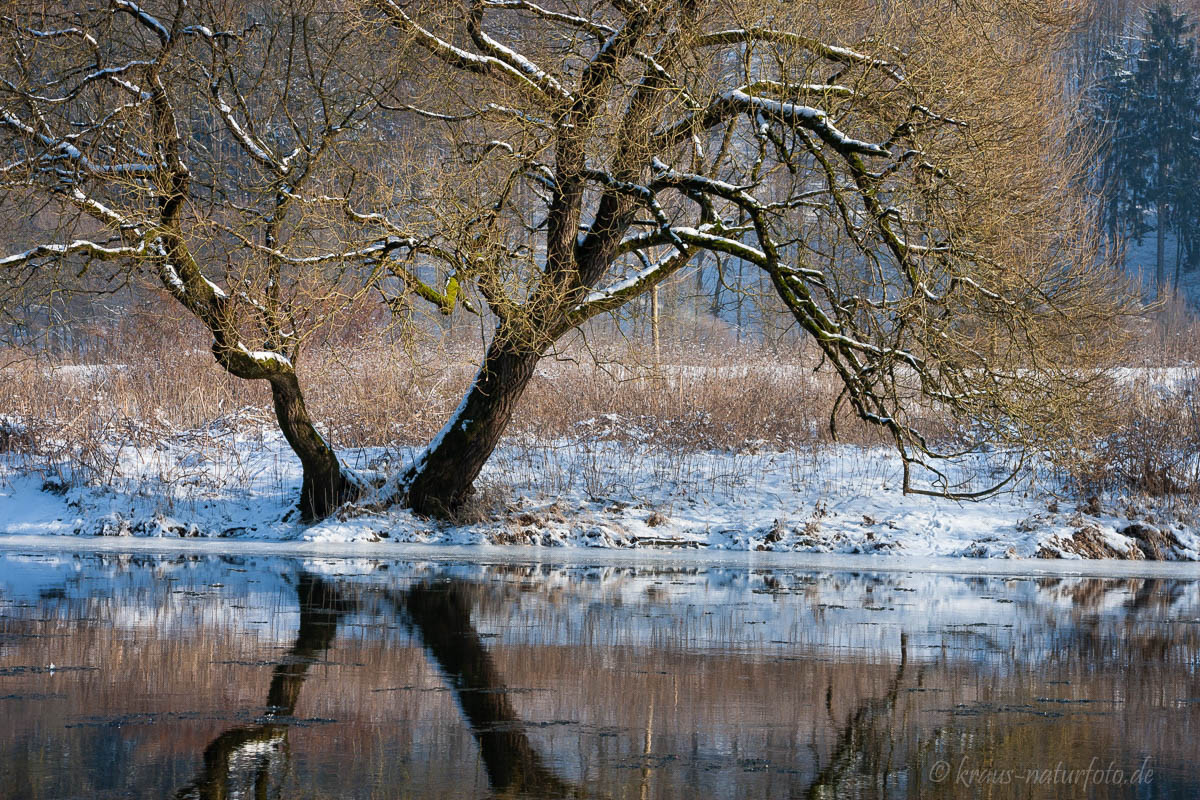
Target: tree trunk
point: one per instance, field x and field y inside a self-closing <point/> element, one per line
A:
<point x="716" y="302"/>
<point x="1178" y="261"/>
<point x="1160" y="233"/>
<point x="741" y="298"/>
<point x="441" y="480"/>
<point x="654" y="325"/>
<point x="325" y="485"/>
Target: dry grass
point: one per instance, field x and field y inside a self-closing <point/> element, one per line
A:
<point x="1147" y="442"/>
<point x="1143" y="440"/>
<point x="141" y="375"/>
<point x="137" y="381"/>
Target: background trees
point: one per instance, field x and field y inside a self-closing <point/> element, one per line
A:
<point x="1147" y="105"/>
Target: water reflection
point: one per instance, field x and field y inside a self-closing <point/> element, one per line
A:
<point x="238" y="762"/>
<point x="861" y="754"/>
<point x="441" y="616"/>
<point x="390" y="679"/>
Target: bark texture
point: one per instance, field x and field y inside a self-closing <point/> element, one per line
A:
<point x="441" y="481"/>
<point x="325" y="485"/>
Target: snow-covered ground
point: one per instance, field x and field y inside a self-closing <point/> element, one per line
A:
<point x="237" y="479"/>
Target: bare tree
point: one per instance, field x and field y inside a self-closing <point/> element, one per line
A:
<point x="219" y="148"/>
<point x="899" y="175"/>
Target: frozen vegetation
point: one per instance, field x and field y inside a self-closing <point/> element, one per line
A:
<point x="235" y="480"/>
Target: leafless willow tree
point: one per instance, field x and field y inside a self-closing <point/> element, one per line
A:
<point x="899" y="174"/>
<point x="217" y="148"/>
<point x="898" y="171"/>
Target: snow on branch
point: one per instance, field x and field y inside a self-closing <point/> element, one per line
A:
<point x="511" y="58"/>
<point x="144" y="19"/>
<point x="844" y="55"/>
<point x="110" y="74"/>
<point x="375" y="250"/>
<point x="485" y="109"/>
<point x="101" y="211"/>
<point x="704" y="237"/>
<point x="620" y="293"/>
<point x="643" y="193"/>
<point x="665" y="176"/>
<point x="247" y="142"/>
<point x="814" y="119"/>
<point x="60" y="32"/>
<point x="783" y="89"/>
<point x="64" y="149"/>
<point x="86" y="247"/>
<point x="266" y="358"/>
<point x="597" y="29"/>
<point x="501" y="59"/>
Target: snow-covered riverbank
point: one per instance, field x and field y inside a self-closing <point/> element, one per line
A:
<point x="239" y="482"/>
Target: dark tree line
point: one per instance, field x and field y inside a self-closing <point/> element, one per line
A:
<point x="1146" y="108"/>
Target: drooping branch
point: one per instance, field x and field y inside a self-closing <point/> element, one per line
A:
<point x="890" y="209"/>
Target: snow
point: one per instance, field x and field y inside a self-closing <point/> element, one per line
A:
<point x="1164" y="379"/>
<point x="534" y="73"/>
<point x="146" y="19"/>
<point x="83" y="374"/>
<point x="172" y="278"/>
<point x="237" y="480"/>
<point x="99" y="209"/>
<point x="622" y="285"/>
<point x="97" y="250"/>
<point x="395" y="485"/>
<point x="266" y="356"/>
<point x="216" y="290"/>
<point x="813" y="118"/>
<point x="247" y="141"/>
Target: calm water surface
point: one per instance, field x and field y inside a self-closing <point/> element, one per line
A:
<point x="195" y="676"/>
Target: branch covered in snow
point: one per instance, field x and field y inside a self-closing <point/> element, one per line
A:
<point x="88" y="249"/>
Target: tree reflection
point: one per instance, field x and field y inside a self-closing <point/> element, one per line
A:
<point x="987" y="698"/>
<point x="863" y="750"/>
<point x="441" y="616"/>
<point x="241" y="761"/>
<point x="238" y="762"/>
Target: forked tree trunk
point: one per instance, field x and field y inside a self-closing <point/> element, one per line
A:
<point x="441" y="480"/>
<point x="325" y="486"/>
